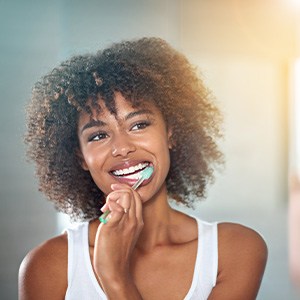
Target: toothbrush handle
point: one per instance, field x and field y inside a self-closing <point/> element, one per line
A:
<point x="103" y="217"/>
<point x="137" y="183"/>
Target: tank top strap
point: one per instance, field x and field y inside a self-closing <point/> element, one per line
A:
<point x="82" y="283"/>
<point x="208" y="268"/>
<point x="206" y="265"/>
<point x="76" y="238"/>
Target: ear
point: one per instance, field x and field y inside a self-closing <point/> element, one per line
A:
<point x="170" y="138"/>
<point x="81" y="160"/>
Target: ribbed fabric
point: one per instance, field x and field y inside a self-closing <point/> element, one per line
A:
<point x="82" y="283"/>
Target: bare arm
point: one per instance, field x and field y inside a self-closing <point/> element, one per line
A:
<point x="242" y="260"/>
<point x="115" y="242"/>
<point x="43" y="272"/>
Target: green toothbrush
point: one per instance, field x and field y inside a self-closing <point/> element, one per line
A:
<point x="145" y="174"/>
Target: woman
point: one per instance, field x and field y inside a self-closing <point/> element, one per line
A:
<point x="94" y="124"/>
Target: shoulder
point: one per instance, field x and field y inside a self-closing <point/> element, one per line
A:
<point x="43" y="271"/>
<point x="242" y="259"/>
<point x="243" y="238"/>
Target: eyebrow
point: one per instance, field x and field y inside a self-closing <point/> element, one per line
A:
<point x="99" y="123"/>
<point x="138" y="112"/>
<point x="92" y="123"/>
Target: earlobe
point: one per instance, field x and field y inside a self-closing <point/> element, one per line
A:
<point x="81" y="160"/>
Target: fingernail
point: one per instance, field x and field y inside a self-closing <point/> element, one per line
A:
<point x="103" y="208"/>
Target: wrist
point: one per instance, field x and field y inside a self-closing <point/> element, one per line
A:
<point x="120" y="287"/>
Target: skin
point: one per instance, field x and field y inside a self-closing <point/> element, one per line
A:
<point x="136" y="244"/>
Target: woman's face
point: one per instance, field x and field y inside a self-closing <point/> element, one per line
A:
<point x="116" y="148"/>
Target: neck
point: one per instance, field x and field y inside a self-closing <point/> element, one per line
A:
<point x="162" y="225"/>
<point x="158" y="219"/>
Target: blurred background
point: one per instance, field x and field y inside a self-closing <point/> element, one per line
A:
<point x="248" y="53"/>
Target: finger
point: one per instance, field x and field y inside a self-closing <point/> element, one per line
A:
<point x="113" y="205"/>
<point x="116" y="213"/>
<point x="119" y="186"/>
<point x="138" y="206"/>
<point x="127" y="201"/>
<point x="137" y="200"/>
<point x="132" y="212"/>
<point x="104" y="208"/>
<point x="123" y="197"/>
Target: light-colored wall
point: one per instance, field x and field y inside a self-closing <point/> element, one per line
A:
<point x="242" y="48"/>
<point x="245" y="50"/>
<point x="28" y="47"/>
<point x="251" y="94"/>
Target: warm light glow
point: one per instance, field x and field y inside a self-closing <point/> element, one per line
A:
<point x="295" y="2"/>
<point x="296" y="113"/>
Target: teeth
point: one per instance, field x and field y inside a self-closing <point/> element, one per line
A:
<point x="130" y="169"/>
<point x="134" y="176"/>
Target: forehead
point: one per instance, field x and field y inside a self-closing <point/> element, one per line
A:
<point x="118" y="109"/>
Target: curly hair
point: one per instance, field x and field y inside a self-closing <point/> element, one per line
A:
<point x="146" y="69"/>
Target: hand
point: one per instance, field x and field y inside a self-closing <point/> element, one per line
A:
<point x="116" y="239"/>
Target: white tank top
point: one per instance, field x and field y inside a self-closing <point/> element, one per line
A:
<point x="82" y="283"/>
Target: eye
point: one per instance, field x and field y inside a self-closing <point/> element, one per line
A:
<point x="140" y="125"/>
<point x="97" y="136"/>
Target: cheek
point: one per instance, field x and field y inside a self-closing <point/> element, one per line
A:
<point x="94" y="160"/>
<point x="163" y="152"/>
<point x="165" y="159"/>
<point x="91" y="161"/>
<point x="88" y="160"/>
<point x="100" y="178"/>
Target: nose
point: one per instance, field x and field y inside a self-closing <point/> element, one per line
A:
<point x="122" y="146"/>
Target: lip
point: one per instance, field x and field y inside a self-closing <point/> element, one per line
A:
<point x="127" y="164"/>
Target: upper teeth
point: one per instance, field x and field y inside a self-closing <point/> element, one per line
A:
<point x="130" y="169"/>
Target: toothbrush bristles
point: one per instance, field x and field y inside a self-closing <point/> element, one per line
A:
<point x="146" y="174"/>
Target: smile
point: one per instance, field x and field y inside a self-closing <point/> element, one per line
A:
<point x="133" y="170"/>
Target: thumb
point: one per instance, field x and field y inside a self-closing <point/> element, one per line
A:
<point x="119" y="186"/>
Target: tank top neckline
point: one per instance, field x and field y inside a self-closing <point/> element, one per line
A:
<point x="87" y="258"/>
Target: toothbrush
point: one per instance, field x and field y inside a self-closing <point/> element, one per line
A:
<point x="145" y="174"/>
